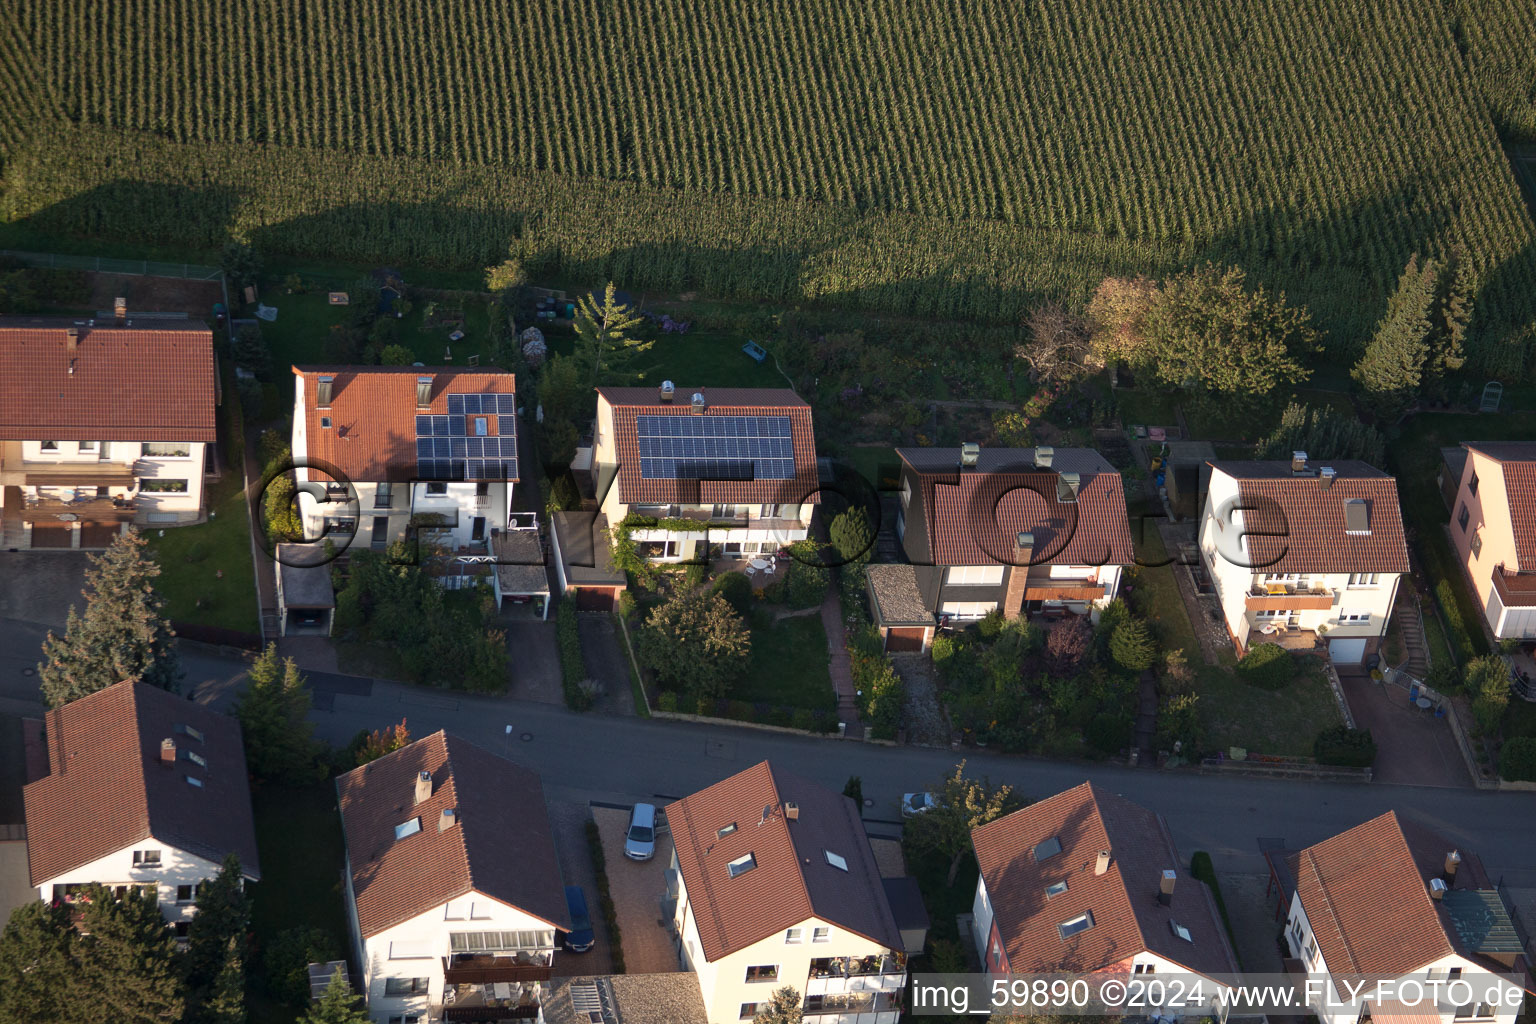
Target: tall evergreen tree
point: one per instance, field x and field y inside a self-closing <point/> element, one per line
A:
<point x="337" y="1005"/>
<point x="601" y="326"/>
<point x="39" y="980"/>
<point x="122" y="634"/>
<point x="128" y="958"/>
<point x="1392" y="369"/>
<point x="1448" y="323"/>
<point x="224" y="1003"/>
<point x="852" y="537"/>
<point x="273" y="713"/>
<point x="223" y="916"/>
<point x="1323" y="433"/>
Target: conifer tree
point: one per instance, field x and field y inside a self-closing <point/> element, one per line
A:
<point x="224" y="1003"/>
<point x="601" y="326"/>
<point x="223" y="916"/>
<point x="337" y="1005"/>
<point x="1323" y="433"/>
<point x="1392" y="369"/>
<point x="279" y="744"/>
<point x="128" y="958"/>
<point x="1448" y="323"/>
<point x="38" y="973"/>
<point x="122" y="634"/>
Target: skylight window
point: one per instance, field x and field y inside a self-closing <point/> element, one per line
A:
<point x="187" y="730"/>
<point x="194" y="757"/>
<point x="409" y="828"/>
<point x="741" y="865"/>
<point x="481" y="426"/>
<point x="837" y="860"/>
<point x="1180" y="931"/>
<point x="1055" y="889"/>
<point x="1081" y="923"/>
<point x="1047" y="848"/>
<point x="194" y="782"/>
<point x="725" y="831"/>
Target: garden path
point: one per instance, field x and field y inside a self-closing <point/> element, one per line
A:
<point x="841" y="667"/>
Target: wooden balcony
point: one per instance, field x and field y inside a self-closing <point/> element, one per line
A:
<point x="85" y="510"/>
<point x="487" y="970"/>
<point x="1062" y="590"/>
<point x="83" y="474"/>
<point x="1515" y="589"/>
<point x="1270" y="599"/>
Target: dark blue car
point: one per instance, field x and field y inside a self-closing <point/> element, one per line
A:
<point x="580" y="938"/>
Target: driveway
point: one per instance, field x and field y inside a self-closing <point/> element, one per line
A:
<point x="533" y="660"/>
<point x="602" y="649"/>
<point x="39" y="586"/>
<point x="637" y="888"/>
<point x="1413" y="747"/>
<point x="569" y="821"/>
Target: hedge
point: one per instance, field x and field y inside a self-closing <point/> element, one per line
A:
<point x="1268" y="666"/>
<point x="572" y="668"/>
<point x="1517" y="761"/>
<point x="1201" y="868"/>
<point x="604" y="897"/>
<point x="1346" y="747"/>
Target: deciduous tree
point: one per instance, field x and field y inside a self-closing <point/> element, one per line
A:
<point x="1117" y="314"/>
<point x="122" y="634"/>
<point x="960" y="804"/>
<point x="1060" y="346"/>
<point x="379" y="742"/>
<point x="697" y="643"/>
<point x="601" y="326"/>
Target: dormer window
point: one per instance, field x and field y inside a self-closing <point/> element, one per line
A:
<point x="741" y="865"/>
<point x="408" y="828"/>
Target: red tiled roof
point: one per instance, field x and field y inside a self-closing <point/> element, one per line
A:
<point x="373" y="414"/>
<point x="635" y="490"/>
<point x="153" y="382"/>
<point x="973" y="515"/>
<point x="501" y="845"/>
<point x="793" y="880"/>
<point x="1518" y="461"/>
<point x="1305" y="520"/>
<point x="107" y="788"/>
<point x="1127" y="917"/>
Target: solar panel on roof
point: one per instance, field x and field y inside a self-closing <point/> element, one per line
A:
<point x="455" y="405"/>
<point x="449" y="448"/>
<point x="715" y="447"/>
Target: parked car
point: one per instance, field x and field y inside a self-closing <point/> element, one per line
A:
<point x="580" y="938"/>
<point x="640" y="840"/>
<point x="917" y="803"/>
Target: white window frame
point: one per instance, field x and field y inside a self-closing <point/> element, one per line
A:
<point x="48" y="446"/>
<point x="1075" y="925"/>
<point x="1272" y="613"/>
<point x="973" y="576"/>
<point x="1364" y="580"/>
<point x="967" y="609"/>
<point x="821" y="933"/>
<point x="89" y="447"/>
<point x="794" y="936"/>
<point x="146" y="859"/>
<point x="144" y="451"/>
<point x="1354" y="618"/>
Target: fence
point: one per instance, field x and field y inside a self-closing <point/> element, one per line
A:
<point x="105" y="265"/>
<point x="1286" y="769"/>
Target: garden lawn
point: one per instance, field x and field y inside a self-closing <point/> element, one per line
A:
<point x="1155" y="594"/>
<point x="298" y="835"/>
<point x="788" y="666"/>
<point x="1266" y="721"/>
<point x="192" y="557"/>
<point x="712" y="358"/>
<point x="879" y="465"/>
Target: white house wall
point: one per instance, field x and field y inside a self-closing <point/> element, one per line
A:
<point x="154" y="507"/>
<point x="176" y="868"/>
<point x="981" y="918"/>
<point x="1224" y="554"/>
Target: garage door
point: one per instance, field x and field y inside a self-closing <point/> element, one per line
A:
<point x="51" y="536"/>
<point x="900" y="639"/>
<point x="97" y="535"/>
<point x="1346" y="652"/>
<point x="594" y="599"/>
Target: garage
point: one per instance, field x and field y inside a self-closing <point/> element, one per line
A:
<point x="1346" y="652"/>
<point x="905" y="639"/>
<point x="595" y="599"/>
<point x="52" y="535"/>
<point x="98" y="535"/>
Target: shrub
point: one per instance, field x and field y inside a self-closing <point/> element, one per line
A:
<point x="805" y="586"/>
<point x="736" y="588"/>
<point x="1487" y="680"/>
<point x="667" y="701"/>
<point x="572" y="669"/>
<point x="1517" y="761"/>
<point x="1341" y="745"/>
<point x="1267" y="666"/>
<point x="287" y="958"/>
<point x="739" y="711"/>
<point x="780" y="716"/>
<point x="1200" y="867"/>
<point x="695" y="575"/>
<point x="854" y="790"/>
<point x="1445" y="595"/>
<point x="943" y="649"/>
<point x="604" y="894"/>
<point x="990" y="624"/>
<point x="1132" y="646"/>
<point x="1110" y="732"/>
<point x="804" y="719"/>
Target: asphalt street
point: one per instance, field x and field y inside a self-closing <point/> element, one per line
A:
<point x="624" y="759"/>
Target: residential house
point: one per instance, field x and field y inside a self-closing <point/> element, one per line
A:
<point x="102" y="423"/>
<point x="453" y="886"/>
<point x="1087" y="881"/>
<point x="738" y="462"/>
<point x="1301" y="553"/>
<point x="1391" y="898"/>
<point x="1016" y="530"/>
<point x="142" y="789"/>
<point x="380" y="450"/>
<point x="1493" y="525"/>
<point x="776" y="885"/>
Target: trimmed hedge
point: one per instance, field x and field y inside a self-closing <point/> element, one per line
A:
<point x="1267" y="666"/>
<point x="572" y="668"/>
<point x="1517" y="761"/>
<point x="1200" y="867"/>
<point x="604" y="896"/>
<point x="1345" y="747"/>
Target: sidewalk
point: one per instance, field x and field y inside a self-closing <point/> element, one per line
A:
<point x="841" y="667"/>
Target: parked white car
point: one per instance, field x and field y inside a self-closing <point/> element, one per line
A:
<point x="640" y="839"/>
<point x="917" y="803"/>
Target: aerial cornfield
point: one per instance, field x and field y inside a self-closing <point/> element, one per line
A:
<point x="957" y="158"/>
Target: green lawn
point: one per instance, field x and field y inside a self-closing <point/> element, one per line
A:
<point x="788" y="665"/>
<point x="1155" y="594"/>
<point x="298" y="835"/>
<point x="1266" y="721"/>
<point x="713" y="358"/>
<point x="206" y="573"/>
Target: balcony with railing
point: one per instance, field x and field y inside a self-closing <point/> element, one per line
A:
<point x="1270" y="596"/>
<point x="85" y="509"/>
<point x="874" y="965"/>
<point x="493" y="1001"/>
<point x="1515" y="589"/>
<point x="487" y="968"/>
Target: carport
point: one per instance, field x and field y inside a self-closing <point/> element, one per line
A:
<point x="306" y="599"/>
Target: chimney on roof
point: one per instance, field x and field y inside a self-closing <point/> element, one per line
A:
<point x="323" y="391"/>
<point x="446" y="820"/>
<point x="1298" y="462"/>
<point x="698" y="403"/>
<point x="791" y="810"/>
<point x="423" y="392"/>
<point x="1325" y="477"/>
<point x="423" y="786"/>
<point x="1023" y="547"/>
<point x="1044" y="455"/>
<point x="970" y="454"/>
<point x="1437" y="888"/>
<point x="120" y="309"/>
<point x="1067" y="485"/>
<point x="1165" y="886"/>
<point x="1101" y="865"/>
<point x="667" y="390"/>
<point x="1452" y="862"/>
<point x="167" y="751"/>
<point x="72" y="341"/>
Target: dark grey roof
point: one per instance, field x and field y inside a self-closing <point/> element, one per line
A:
<point x="304" y="586"/>
<point x="1504" y="451"/>
<point x="520" y="562"/>
<point x="898" y="601"/>
<point x="1276" y="469"/>
<point x="1456" y="459"/>
<point x="1005" y="460"/>
<point x="906" y="901"/>
<point x="683" y="396"/>
<point x="579" y="536"/>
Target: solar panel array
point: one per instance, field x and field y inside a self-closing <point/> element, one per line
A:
<point x="451" y="447"/>
<point x="715" y="447"/>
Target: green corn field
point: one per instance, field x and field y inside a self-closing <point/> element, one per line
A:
<point x="945" y="158"/>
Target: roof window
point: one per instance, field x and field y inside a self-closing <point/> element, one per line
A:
<point x="1180" y="931"/>
<point x="725" y="830"/>
<point x="187" y="730"/>
<point x="194" y="757"/>
<point x="741" y="865"/>
<point x="1055" y="889"/>
<point x="194" y="782"/>
<point x="1047" y="848"/>
<point x="408" y="828"/>
<point x="325" y="423"/>
<point x="1081" y="923"/>
<point x="837" y="860"/>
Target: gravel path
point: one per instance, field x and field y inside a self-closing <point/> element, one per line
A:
<point x="922" y="715"/>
